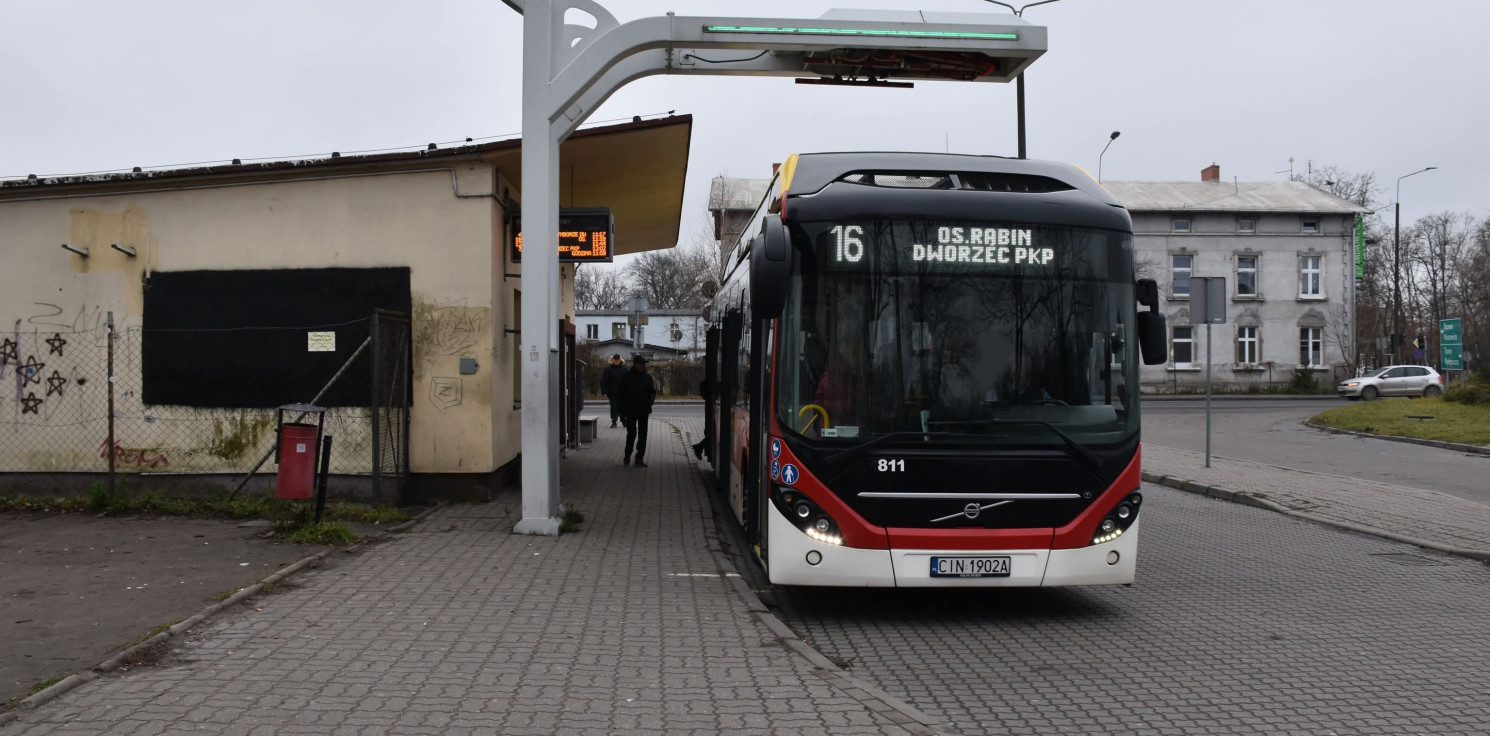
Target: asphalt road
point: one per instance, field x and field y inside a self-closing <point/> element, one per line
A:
<point x="1242" y="621"/>
<point x="1271" y="431"/>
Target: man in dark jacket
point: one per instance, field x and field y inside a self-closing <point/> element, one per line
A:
<point x="610" y="380"/>
<point x="635" y="393"/>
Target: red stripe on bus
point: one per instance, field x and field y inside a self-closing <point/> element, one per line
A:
<point x="980" y="539"/>
<point x="1080" y="531"/>
<point x="856" y="530"/>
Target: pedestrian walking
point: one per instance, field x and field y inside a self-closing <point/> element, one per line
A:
<point x="610" y="380"/>
<point x="635" y="393"/>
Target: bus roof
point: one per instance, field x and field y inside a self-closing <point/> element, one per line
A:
<point x="813" y="171"/>
<point x="932" y="185"/>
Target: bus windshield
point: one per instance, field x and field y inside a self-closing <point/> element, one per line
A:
<point x="936" y="331"/>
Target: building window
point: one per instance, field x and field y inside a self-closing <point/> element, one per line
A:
<point x="1183" y="346"/>
<point x="1246" y="345"/>
<point x="1311" y="347"/>
<point x="592" y="332"/>
<point x="618" y="330"/>
<point x="1246" y="275"/>
<point x="1180" y="267"/>
<point x="1181" y="225"/>
<point x="1311" y="226"/>
<point x="1310" y="270"/>
<point x="1246" y="226"/>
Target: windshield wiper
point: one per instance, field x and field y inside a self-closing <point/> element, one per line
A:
<point x="1079" y="450"/>
<point x="1089" y="458"/>
<point x="857" y="450"/>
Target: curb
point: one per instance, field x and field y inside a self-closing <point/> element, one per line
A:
<point x="1247" y="499"/>
<point x="894" y="709"/>
<point x="1235" y="397"/>
<point x="1455" y="446"/>
<point x="75" y="680"/>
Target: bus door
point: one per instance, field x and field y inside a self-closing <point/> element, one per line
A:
<point x="710" y="391"/>
<point x="729" y="368"/>
<point x="755" y="446"/>
<point x="758" y="496"/>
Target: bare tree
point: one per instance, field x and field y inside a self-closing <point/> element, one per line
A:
<point x="1358" y="187"/>
<point x="1338" y="328"/>
<point x="667" y="280"/>
<point x="599" y="289"/>
<point x="1444" y="248"/>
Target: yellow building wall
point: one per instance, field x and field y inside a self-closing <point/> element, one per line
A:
<point x="459" y="423"/>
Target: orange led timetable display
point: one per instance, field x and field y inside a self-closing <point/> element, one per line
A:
<point x="585" y="236"/>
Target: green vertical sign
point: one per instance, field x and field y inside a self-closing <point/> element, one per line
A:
<point x="1451" y="344"/>
<point x="1360" y="247"/>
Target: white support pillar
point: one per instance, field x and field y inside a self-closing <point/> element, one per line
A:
<point x="538" y="361"/>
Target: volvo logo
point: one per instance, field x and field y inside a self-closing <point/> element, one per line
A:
<point x="971" y="511"/>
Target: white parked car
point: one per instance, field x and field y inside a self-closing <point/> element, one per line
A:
<point x="1393" y="380"/>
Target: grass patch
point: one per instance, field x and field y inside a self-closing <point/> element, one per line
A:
<point x="147" y="635"/>
<point x="571" y="520"/>
<point x="1451" y="422"/>
<point x="323" y="533"/>
<point x="44" y="684"/>
<point x="35" y="688"/>
<point x="283" y="512"/>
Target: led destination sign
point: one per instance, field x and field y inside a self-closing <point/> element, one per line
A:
<point x="585" y="236"/>
<point x="986" y="246"/>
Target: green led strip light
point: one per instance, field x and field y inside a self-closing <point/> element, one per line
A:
<point x="862" y="32"/>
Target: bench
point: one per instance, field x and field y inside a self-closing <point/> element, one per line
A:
<point x="588" y="426"/>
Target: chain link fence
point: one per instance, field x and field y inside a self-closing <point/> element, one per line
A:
<point x="56" y="402"/>
<point x="390" y="404"/>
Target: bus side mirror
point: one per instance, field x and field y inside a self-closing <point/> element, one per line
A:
<point x="770" y="269"/>
<point x="1152" y="331"/>
<point x="1147" y="292"/>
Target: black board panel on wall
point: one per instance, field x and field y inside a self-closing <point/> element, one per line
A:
<point x="228" y="339"/>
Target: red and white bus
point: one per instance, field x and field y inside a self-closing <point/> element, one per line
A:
<point x="924" y="372"/>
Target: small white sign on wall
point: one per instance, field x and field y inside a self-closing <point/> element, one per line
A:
<point x="321" y="342"/>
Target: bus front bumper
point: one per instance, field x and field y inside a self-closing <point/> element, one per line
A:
<point x="792" y="554"/>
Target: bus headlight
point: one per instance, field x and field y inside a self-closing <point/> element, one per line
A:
<point x="806" y="515"/>
<point x="1118" y="520"/>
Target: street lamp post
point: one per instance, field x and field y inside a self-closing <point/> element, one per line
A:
<point x="1395" y="338"/>
<point x="1110" y="139"/>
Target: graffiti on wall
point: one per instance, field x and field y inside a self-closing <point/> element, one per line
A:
<point x="138" y="457"/>
<point x="445" y="330"/>
<point x="29" y="373"/>
<point x="48" y="317"/>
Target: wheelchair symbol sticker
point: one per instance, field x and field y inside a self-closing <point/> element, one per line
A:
<point x="775" y="469"/>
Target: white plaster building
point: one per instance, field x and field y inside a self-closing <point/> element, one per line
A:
<point x="1286" y="250"/>
<point x="669" y="333"/>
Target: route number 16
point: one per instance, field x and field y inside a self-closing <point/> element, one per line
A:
<point x="849" y="248"/>
<point x="892" y="466"/>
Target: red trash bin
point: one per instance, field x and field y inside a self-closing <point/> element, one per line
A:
<point x="297" y="461"/>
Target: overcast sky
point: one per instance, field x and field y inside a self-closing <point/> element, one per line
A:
<point x="1368" y="85"/>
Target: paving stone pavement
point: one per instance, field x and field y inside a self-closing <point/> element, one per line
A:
<point x="1410" y="512"/>
<point x="460" y="627"/>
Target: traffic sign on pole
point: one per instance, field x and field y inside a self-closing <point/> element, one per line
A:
<point x="1451" y="344"/>
<point x="1451" y="357"/>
